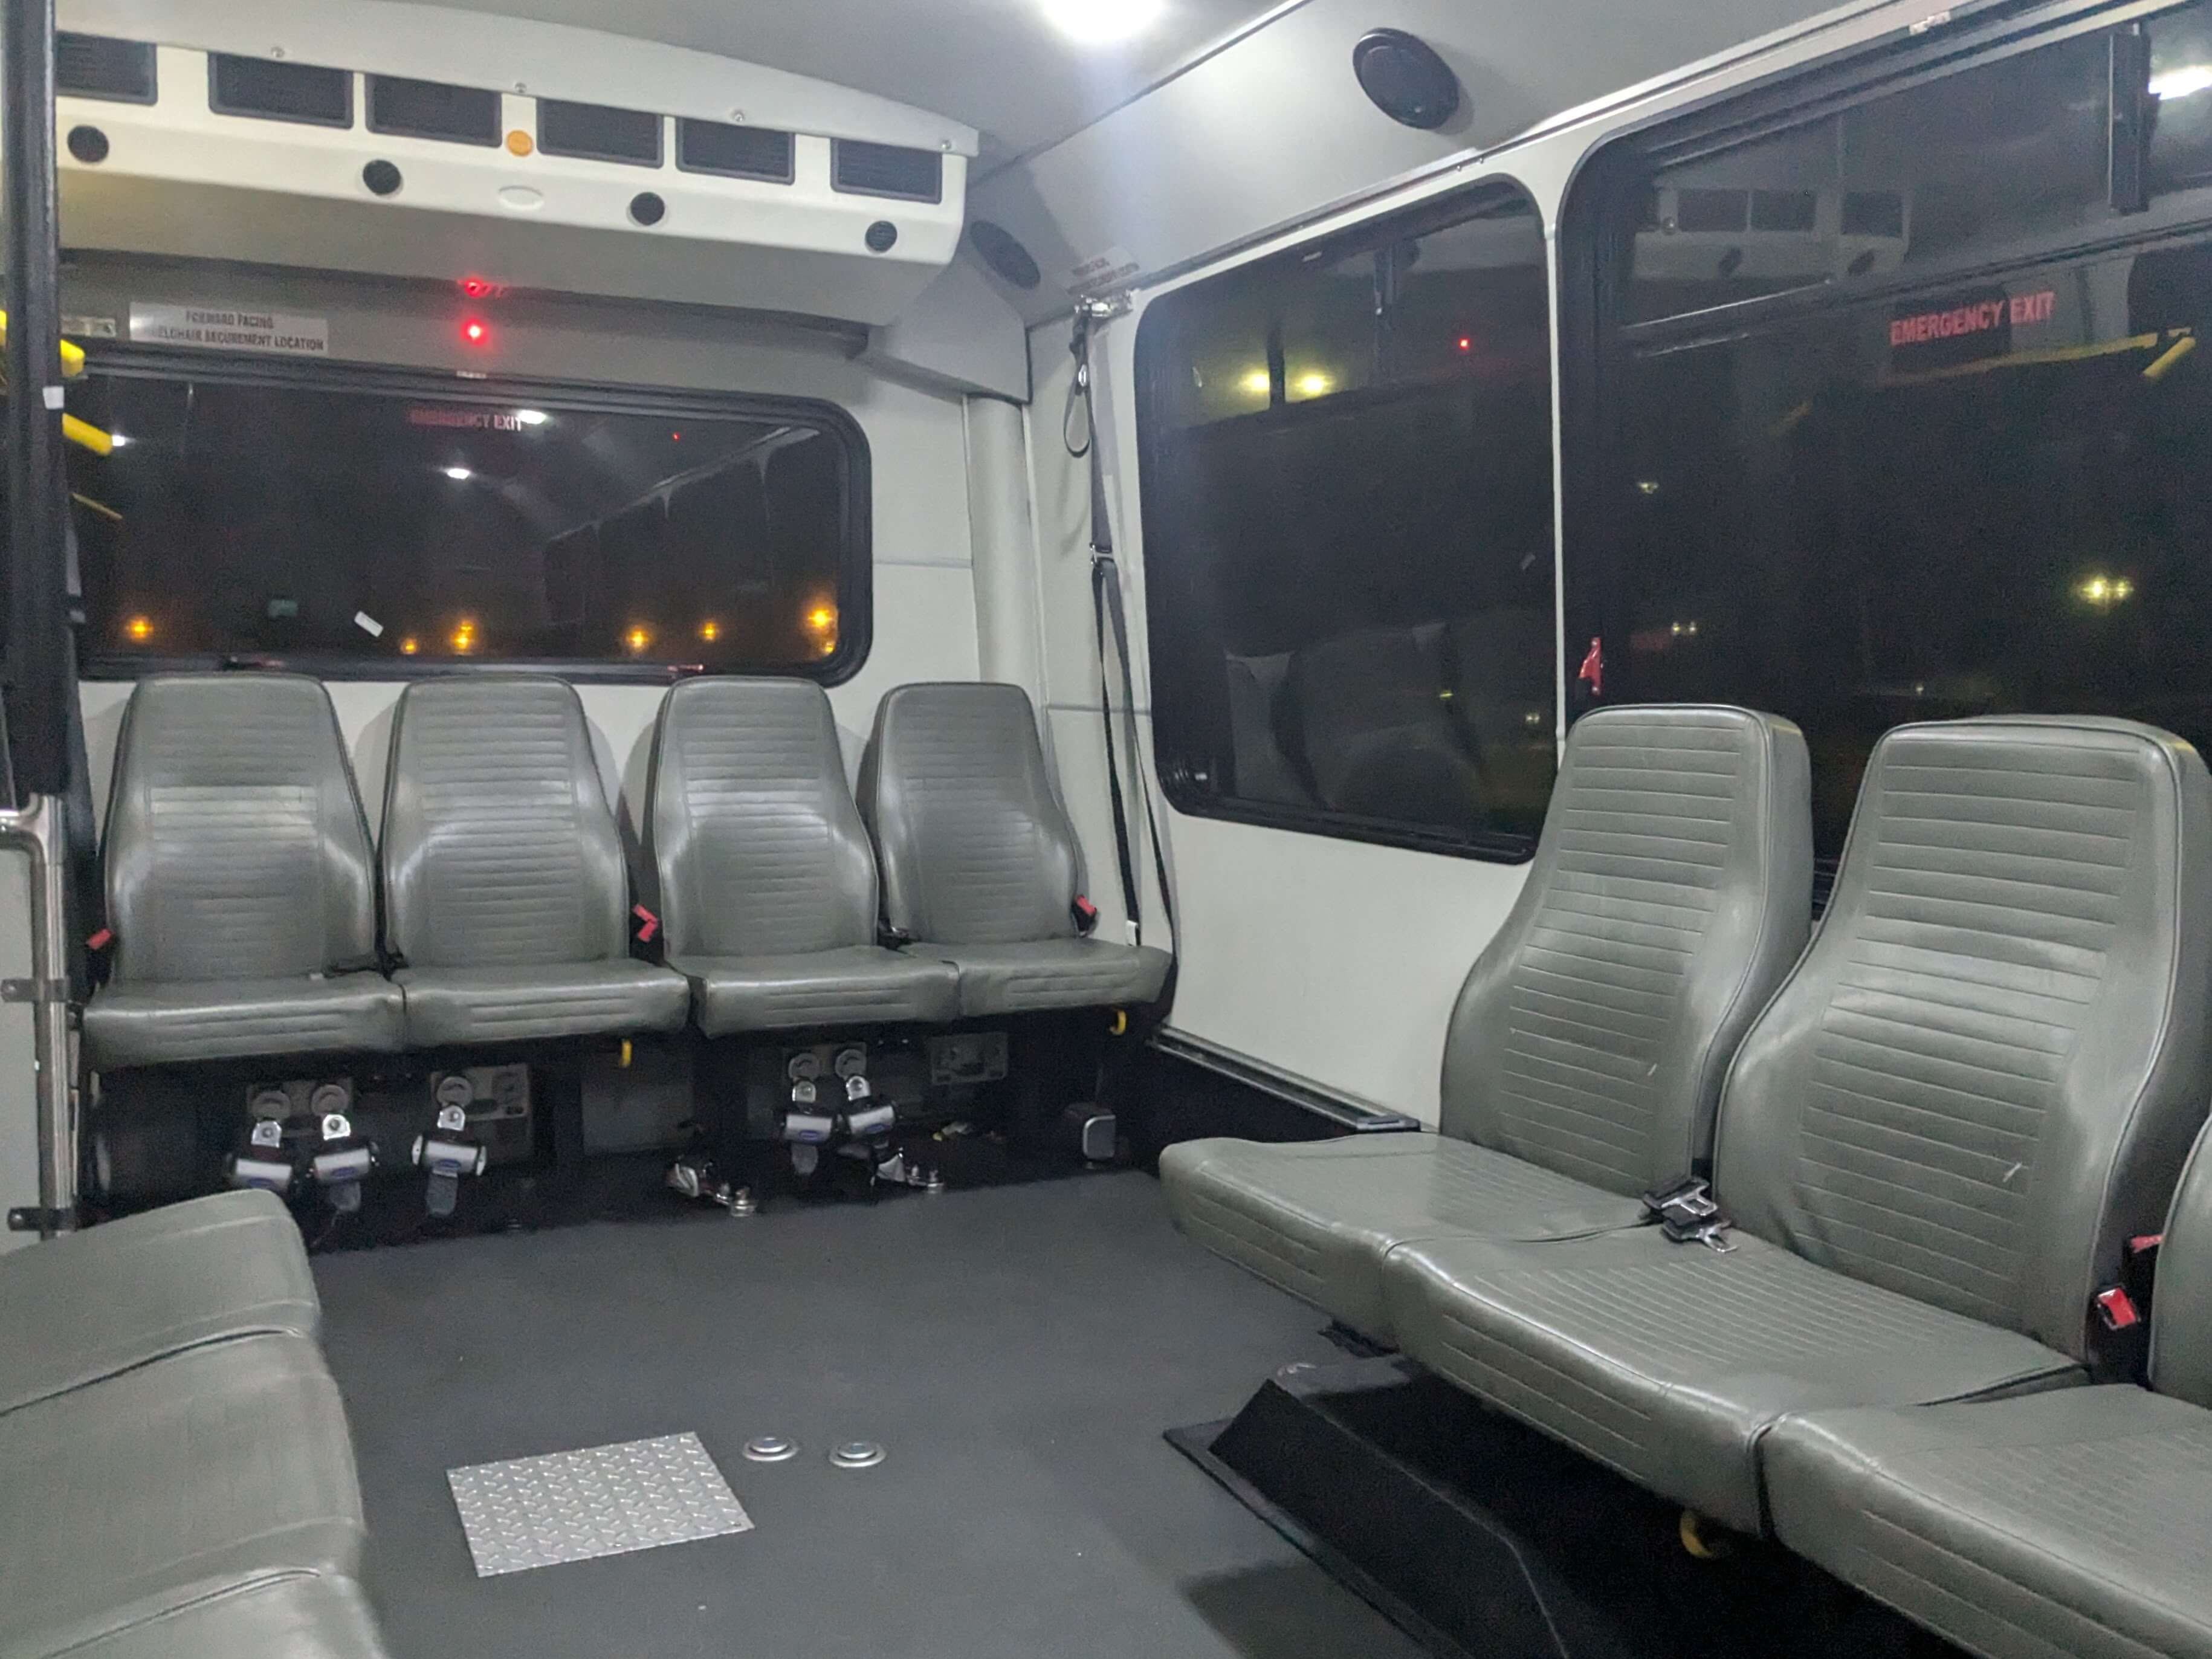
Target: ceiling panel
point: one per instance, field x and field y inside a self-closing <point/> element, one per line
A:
<point x="1000" y="65"/>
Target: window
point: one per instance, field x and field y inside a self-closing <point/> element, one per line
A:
<point x="1348" y="550"/>
<point x="364" y="525"/>
<point x="1889" y="497"/>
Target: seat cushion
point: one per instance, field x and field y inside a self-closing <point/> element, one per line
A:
<point x="1036" y="975"/>
<point x="171" y="1024"/>
<point x="858" y="986"/>
<point x="1319" y="1218"/>
<point x="1668" y="1362"/>
<point x="2075" y="1525"/>
<point x="289" y="1616"/>
<point x="463" y="1005"/>
<point x="226" y="1462"/>
<point x="119" y="1295"/>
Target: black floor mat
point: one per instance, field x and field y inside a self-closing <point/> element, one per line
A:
<point x="1017" y="1348"/>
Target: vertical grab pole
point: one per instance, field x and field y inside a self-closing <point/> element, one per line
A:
<point x="38" y="680"/>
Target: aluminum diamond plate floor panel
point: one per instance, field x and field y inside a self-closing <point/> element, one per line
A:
<point x="605" y="1500"/>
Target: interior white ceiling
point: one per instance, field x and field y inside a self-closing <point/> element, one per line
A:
<point x="998" y="65"/>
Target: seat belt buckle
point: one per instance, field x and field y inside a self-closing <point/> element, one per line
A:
<point x="344" y="1162"/>
<point x="101" y="941"/>
<point x="263" y="1161"/>
<point x="2116" y="1308"/>
<point x="1086" y="915"/>
<point x="648" y="925"/>
<point x="447" y="1155"/>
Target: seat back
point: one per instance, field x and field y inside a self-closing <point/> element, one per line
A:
<point x="236" y="847"/>
<point x="1985" y="1074"/>
<point x="974" y="845"/>
<point x="758" y="844"/>
<point x="1671" y="892"/>
<point x="499" y="847"/>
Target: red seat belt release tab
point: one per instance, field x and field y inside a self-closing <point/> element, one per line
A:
<point x="1086" y="914"/>
<point x="101" y="941"/>
<point x="647" y="923"/>
<point x="2143" y="1244"/>
<point x="2118" y="1309"/>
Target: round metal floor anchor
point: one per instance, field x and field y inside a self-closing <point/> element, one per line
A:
<point x="772" y="1449"/>
<point x="857" y="1455"/>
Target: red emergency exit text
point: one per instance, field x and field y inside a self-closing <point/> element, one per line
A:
<point x="1976" y="318"/>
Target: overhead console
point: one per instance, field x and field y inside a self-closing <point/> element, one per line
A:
<point x="408" y="141"/>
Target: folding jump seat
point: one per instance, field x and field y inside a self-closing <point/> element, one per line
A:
<point x="1979" y="1082"/>
<point x="2073" y="1525"/>
<point x="769" y="900"/>
<point x="507" y="895"/>
<point x="239" y="884"/>
<point x="1671" y="890"/>
<point x="981" y="867"/>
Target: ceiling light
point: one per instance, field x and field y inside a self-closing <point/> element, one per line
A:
<point x="457" y="474"/>
<point x="532" y="416"/>
<point x="2182" y="83"/>
<point x="1097" y="22"/>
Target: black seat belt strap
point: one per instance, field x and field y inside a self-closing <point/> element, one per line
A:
<point x="1108" y="608"/>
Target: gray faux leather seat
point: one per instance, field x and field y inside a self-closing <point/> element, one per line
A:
<point x="239" y="875"/>
<point x="506" y="891"/>
<point x="206" y="1473"/>
<point x="116" y="1296"/>
<point x="1671" y="890"/>
<point x="981" y="866"/>
<point x="285" y="1616"/>
<point x="769" y="900"/>
<point x="1981" y="1081"/>
<point x="2074" y="1525"/>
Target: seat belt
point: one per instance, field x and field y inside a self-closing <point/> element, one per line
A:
<point x="1107" y="611"/>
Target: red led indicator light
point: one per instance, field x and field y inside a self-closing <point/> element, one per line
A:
<point x="474" y="332"/>
<point x="1466" y="344"/>
<point x="475" y="287"/>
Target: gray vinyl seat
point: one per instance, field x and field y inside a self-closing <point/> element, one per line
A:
<point x="981" y="867"/>
<point x="1981" y="1078"/>
<point x="2074" y="1525"/>
<point x="288" y="1615"/>
<point x="507" y="895"/>
<point x="116" y="1296"/>
<point x="206" y="1474"/>
<point x="239" y="884"/>
<point x="768" y="891"/>
<point x="1671" y="892"/>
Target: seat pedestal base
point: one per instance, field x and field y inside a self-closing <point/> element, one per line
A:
<point x="1477" y="1536"/>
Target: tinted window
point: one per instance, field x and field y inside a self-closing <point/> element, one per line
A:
<point x="350" y="527"/>
<point x="1954" y="169"/>
<point x="1989" y="494"/>
<point x="1348" y="553"/>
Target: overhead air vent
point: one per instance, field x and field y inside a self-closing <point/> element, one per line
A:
<point x="272" y="91"/>
<point x="430" y="109"/>
<point x="596" y="132"/>
<point x="99" y="66"/>
<point x="862" y="169"/>
<point x="734" y="152"/>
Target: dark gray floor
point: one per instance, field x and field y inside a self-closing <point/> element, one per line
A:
<point x="1019" y="1350"/>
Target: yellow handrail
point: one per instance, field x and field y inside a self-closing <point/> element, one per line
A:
<point x="72" y="355"/>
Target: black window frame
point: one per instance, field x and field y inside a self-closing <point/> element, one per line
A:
<point x="492" y="140"/>
<point x="855" y="563"/>
<point x="1604" y="206"/>
<point x="1418" y="219"/>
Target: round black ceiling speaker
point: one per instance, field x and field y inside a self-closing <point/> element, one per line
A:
<point x="1008" y="260"/>
<point x="645" y="208"/>
<point x="88" y="145"/>
<point x="1403" y="78"/>
<point x="881" y="237"/>
<point x="381" y="178"/>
